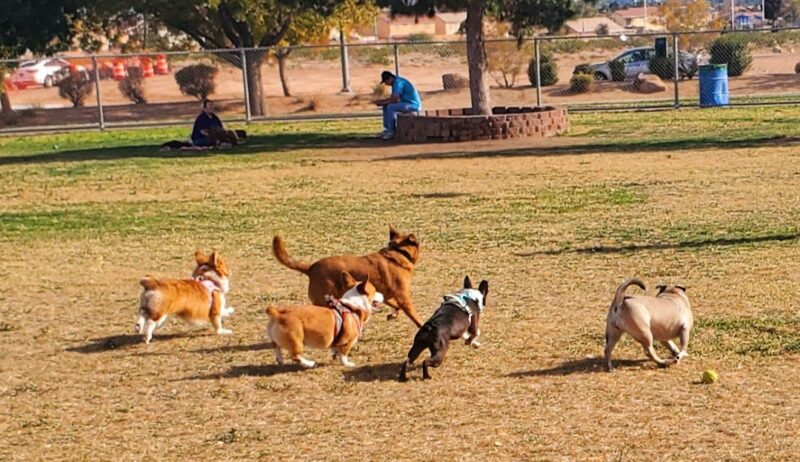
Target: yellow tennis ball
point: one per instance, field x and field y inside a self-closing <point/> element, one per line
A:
<point x="709" y="376"/>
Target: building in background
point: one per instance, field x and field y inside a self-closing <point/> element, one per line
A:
<point x="585" y="27"/>
<point x="640" y="19"/>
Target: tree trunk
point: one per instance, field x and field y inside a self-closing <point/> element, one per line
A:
<point x="476" y="59"/>
<point x="254" y="87"/>
<point x="5" y="103"/>
<point x="283" y="56"/>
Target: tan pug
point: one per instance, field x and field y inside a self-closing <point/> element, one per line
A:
<point x="664" y="317"/>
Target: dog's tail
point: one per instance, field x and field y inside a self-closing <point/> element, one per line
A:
<point x="619" y="296"/>
<point x="283" y="257"/>
<point x="272" y="311"/>
<point x="149" y="283"/>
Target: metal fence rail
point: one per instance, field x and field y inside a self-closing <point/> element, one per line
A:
<point x="629" y="72"/>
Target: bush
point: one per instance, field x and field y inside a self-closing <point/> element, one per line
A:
<point x="132" y="86"/>
<point x="547" y="67"/>
<point x="601" y="29"/>
<point x="420" y="37"/>
<point x="76" y="87"/>
<point x="733" y="50"/>
<point x="617" y="70"/>
<point x="379" y="90"/>
<point x="583" y="69"/>
<point x="197" y="80"/>
<point x="663" y="67"/>
<point x="506" y="62"/>
<point x="581" y="83"/>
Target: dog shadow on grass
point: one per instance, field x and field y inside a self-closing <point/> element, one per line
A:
<point x="236" y="348"/>
<point x="579" y="366"/>
<point x="250" y="370"/>
<point x="114" y="342"/>
<point x="373" y="373"/>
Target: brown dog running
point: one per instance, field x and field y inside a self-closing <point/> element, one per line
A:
<point x="336" y="326"/>
<point x="389" y="269"/>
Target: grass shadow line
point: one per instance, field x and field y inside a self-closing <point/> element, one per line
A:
<point x="719" y="242"/>
<point x="236" y="348"/>
<point x="265" y="370"/>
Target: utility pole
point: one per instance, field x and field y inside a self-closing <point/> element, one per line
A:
<point x="733" y="18"/>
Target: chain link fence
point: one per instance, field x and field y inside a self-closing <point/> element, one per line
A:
<point x="583" y="73"/>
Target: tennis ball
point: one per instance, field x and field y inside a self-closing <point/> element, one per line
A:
<point x="709" y="376"/>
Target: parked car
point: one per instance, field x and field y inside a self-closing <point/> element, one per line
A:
<point x="637" y="61"/>
<point x="43" y="72"/>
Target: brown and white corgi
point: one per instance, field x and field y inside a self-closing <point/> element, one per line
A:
<point x="200" y="299"/>
<point x="336" y="327"/>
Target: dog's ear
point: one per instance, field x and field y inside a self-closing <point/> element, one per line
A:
<point x="467" y="283"/>
<point x="362" y="287"/>
<point x="214" y="259"/>
<point x="347" y="280"/>
<point x="412" y="238"/>
<point x="393" y="233"/>
<point x="661" y="288"/>
<point x="483" y="288"/>
<point x="682" y="288"/>
<point x="200" y="257"/>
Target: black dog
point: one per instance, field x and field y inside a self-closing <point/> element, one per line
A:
<point x="456" y="318"/>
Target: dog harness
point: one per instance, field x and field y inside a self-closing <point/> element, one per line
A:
<point x="340" y="313"/>
<point x="460" y="301"/>
<point x="210" y="286"/>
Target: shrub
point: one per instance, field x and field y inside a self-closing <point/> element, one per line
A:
<point x="506" y="62"/>
<point x="547" y="67"/>
<point x="663" y="67"/>
<point x="583" y="68"/>
<point x="420" y="37"/>
<point x="581" y="83"/>
<point x="132" y="86"/>
<point x="732" y="49"/>
<point x="379" y="90"/>
<point x="76" y="87"/>
<point x="197" y="80"/>
<point x="617" y="70"/>
<point x="601" y="29"/>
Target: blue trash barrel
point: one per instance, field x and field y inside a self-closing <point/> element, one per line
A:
<point x="713" y="85"/>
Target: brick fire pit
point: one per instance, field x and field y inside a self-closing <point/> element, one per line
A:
<point x="460" y="125"/>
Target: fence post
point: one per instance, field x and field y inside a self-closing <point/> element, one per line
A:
<point x="676" y="68"/>
<point x="345" y="65"/>
<point x="396" y="60"/>
<point x="243" y="57"/>
<point x="538" y="72"/>
<point x="102" y="119"/>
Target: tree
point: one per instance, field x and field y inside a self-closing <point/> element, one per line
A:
<point x="522" y="14"/>
<point x="226" y="24"/>
<point x="309" y="27"/>
<point x="38" y="26"/>
<point x="691" y="16"/>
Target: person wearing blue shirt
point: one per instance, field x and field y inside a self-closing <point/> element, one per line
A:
<point x="205" y="122"/>
<point x="404" y="98"/>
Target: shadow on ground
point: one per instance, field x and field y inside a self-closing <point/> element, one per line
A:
<point x="236" y="348"/>
<point x="719" y="242"/>
<point x="113" y="342"/>
<point x="579" y="366"/>
<point x="265" y="370"/>
<point x="373" y="373"/>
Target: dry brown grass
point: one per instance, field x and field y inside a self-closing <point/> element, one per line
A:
<point x="553" y="234"/>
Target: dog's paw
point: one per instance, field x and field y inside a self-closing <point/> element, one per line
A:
<point x="224" y="332"/>
<point x="228" y="311"/>
<point x="475" y="344"/>
<point x="680" y="356"/>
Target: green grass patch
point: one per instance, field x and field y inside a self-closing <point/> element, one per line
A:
<point x="748" y="336"/>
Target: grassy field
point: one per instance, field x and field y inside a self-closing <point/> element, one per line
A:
<point x="710" y="199"/>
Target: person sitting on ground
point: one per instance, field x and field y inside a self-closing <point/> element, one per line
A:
<point x="205" y="122"/>
<point x="404" y="98"/>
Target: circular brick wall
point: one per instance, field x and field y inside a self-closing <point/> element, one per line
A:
<point x="460" y="125"/>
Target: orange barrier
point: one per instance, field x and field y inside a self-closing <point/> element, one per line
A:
<point x="161" y="65"/>
<point x="147" y="68"/>
<point x="119" y="70"/>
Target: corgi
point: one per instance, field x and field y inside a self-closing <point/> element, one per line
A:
<point x="336" y="327"/>
<point x="200" y="299"/>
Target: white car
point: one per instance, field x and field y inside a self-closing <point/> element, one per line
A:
<point x="637" y="61"/>
<point x="43" y="72"/>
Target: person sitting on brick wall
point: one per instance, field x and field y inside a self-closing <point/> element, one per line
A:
<point x="404" y="98"/>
